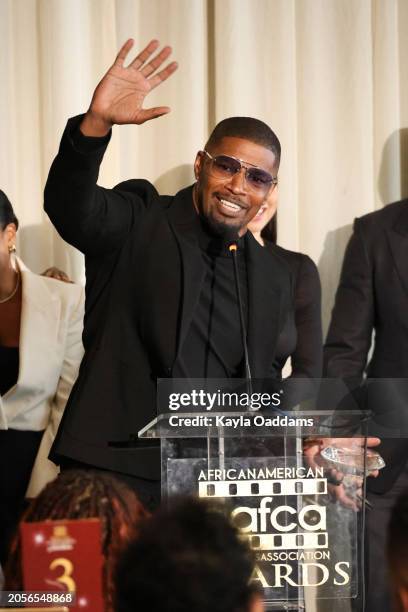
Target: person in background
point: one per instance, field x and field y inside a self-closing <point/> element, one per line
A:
<point x="187" y="557"/>
<point x="81" y="495"/>
<point x="40" y="352"/>
<point x="371" y="309"/>
<point x="301" y="338"/>
<point x="397" y="551"/>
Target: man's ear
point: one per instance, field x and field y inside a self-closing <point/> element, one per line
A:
<point x="198" y="165"/>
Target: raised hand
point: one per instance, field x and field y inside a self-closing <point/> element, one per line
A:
<point x="349" y="496"/>
<point x="120" y="95"/>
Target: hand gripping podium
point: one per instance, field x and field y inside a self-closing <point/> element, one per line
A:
<point x="250" y="459"/>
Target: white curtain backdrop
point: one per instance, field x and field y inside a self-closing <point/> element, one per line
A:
<point x="329" y="76"/>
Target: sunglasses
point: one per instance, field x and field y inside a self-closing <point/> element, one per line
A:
<point x="225" y="166"/>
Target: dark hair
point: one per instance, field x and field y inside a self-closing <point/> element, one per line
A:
<point x="7" y="215"/>
<point x="397" y="548"/>
<point x="188" y="557"/>
<point x="78" y="494"/>
<point x="249" y="128"/>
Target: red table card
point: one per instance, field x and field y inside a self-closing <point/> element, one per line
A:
<point x="62" y="556"/>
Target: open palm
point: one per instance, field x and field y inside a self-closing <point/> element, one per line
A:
<point x="120" y="95"/>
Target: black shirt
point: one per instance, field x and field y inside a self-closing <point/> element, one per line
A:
<point x="213" y="345"/>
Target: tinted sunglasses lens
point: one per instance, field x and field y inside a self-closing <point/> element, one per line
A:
<point x="226" y="166"/>
<point x="259" y="178"/>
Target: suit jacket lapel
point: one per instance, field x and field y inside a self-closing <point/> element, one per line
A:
<point x="398" y="241"/>
<point x="40" y="315"/>
<point x="184" y="222"/>
<point x="268" y="289"/>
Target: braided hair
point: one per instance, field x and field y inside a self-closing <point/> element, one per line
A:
<point x="81" y="494"/>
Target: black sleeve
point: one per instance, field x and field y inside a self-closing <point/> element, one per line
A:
<point x="349" y="336"/>
<point x="93" y="219"/>
<point x="307" y="358"/>
<point x="88" y="144"/>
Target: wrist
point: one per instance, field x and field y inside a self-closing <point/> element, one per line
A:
<point x="94" y="126"/>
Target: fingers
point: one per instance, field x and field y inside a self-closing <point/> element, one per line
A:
<point x="373" y="441"/>
<point x="152" y="113"/>
<point x="156" y="62"/>
<point x="361" y="442"/>
<point x="163" y="75"/>
<point x="339" y="493"/>
<point x="144" y="55"/>
<point x="64" y="277"/>
<point x="57" y="274"/>
<point x="352" y="442"/>
<point x="334" y="477"/>
<point x="121" y="56"/>
<point x="150" y="66"/>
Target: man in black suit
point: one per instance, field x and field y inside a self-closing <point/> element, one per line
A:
<point x="160" y="293"/>
<point x="373" y="297"/>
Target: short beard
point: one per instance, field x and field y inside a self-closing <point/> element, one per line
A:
<point x="220" y="230"/>
<point x="217" y="229"/>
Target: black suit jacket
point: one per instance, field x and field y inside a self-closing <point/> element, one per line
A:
<point x="373" y="297"/>
<point x="143" y="277"/>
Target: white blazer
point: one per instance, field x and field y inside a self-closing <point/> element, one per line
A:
<point x="50" y="353"/>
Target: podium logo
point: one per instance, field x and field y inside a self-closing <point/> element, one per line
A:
<point x="275" y="527"/>
<point x="286" y="526"/>
<point x="259" y="522"/>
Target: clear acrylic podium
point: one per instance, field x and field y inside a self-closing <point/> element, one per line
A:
<point x="308" y="544"/>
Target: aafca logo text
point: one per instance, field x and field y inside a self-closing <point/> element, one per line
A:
<point x="287" y="531"/>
